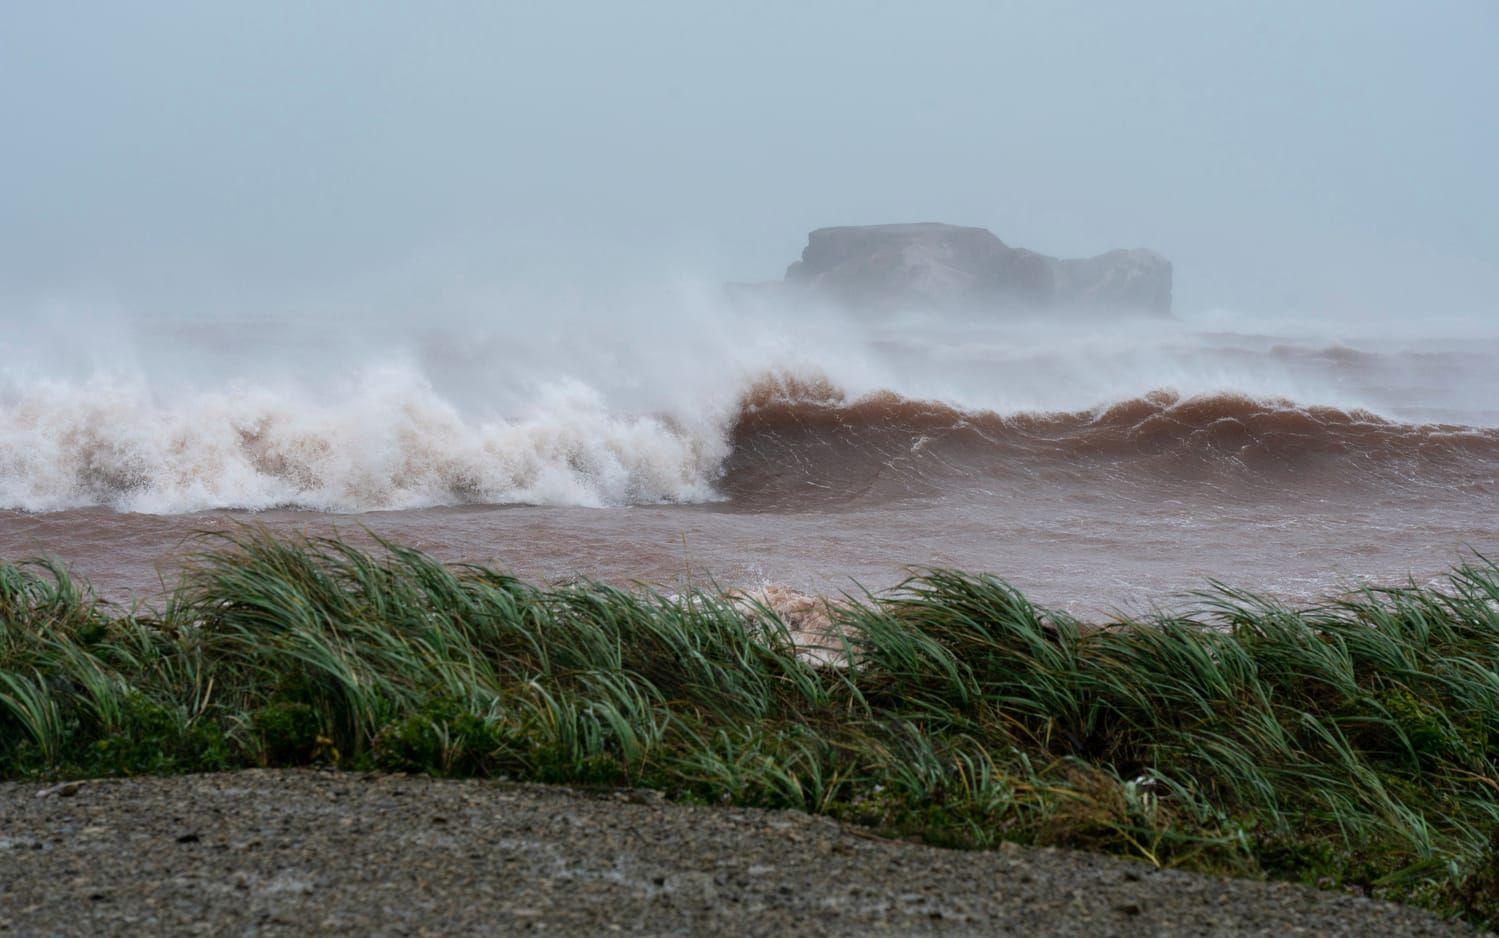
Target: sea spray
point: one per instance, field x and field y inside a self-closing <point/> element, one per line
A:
<point x="589" y="409"/>
<point x="390" y="443"/>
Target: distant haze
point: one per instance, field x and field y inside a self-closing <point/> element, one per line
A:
<point x="215" y="160"/>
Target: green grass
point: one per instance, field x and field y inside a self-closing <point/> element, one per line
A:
<point x="1352" y="745"/>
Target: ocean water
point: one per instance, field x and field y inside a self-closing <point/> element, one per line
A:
<point x="1096" y="464"/>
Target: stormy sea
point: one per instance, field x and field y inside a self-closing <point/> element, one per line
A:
<point x="676" y="437"/>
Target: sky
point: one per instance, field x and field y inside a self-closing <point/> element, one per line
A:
<point x="231" y="160"/>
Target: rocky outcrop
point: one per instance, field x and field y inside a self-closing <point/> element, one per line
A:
<point x="936" y="266"/>
<point x="1127" y="280"/>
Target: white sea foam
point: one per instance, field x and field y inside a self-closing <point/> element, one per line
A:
<point x="389" y="442"/>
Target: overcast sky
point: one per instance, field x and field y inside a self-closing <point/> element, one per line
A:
<point x="227" y="159"/>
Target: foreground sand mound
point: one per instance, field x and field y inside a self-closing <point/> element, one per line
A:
<point x="291" y="852"/>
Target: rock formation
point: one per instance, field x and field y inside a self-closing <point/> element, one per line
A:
<point x="935" y="266"/>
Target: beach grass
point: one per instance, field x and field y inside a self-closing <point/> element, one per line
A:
<point x="1353" y="744"/>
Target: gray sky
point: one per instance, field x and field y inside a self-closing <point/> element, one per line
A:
<point x="203" y="159"/>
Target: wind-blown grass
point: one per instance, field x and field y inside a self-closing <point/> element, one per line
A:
<point x="1355" y="744"/>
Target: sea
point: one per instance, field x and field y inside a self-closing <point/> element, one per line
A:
<point x="1103" y="466"/>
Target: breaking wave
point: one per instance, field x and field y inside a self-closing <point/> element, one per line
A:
<point x="395" y="443"/>
<point x="801" y="442"/>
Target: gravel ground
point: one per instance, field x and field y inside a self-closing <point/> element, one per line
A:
<point x="282" y="852"/>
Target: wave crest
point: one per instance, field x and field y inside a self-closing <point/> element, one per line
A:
<point x="391" y="443"/>
<point x="806" y="442"/>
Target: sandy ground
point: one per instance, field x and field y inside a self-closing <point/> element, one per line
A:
<point x="291" y="852"/>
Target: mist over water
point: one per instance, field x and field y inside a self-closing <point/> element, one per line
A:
<point x="456" y="276"/>
<point x="616" y="406"/>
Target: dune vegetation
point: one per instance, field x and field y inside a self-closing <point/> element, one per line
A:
<point x="1354" y="744"/>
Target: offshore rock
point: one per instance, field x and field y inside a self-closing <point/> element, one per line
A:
<point x="936" y="266"/>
